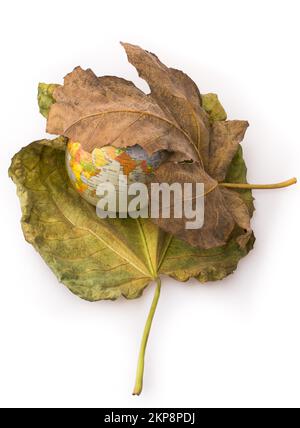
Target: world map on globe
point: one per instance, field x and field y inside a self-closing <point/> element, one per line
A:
<point x="109" y="164"/>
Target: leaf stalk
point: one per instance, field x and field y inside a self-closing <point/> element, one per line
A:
<point x="141" y="361"/>
<point x="282" y="185"/>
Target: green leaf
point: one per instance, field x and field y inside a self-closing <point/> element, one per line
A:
<point x="237" y="173"/>
<point x="102" y="259"/>
<point x="97" y="259"/>
<point x="183" y="262"/>
<point x="45" y="97"/>
<point x="213" y="107"/>
<point x="59" y="143"/>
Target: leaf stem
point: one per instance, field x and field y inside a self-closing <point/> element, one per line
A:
<point x="141" y="362"/>
<point x="260" y="186"/>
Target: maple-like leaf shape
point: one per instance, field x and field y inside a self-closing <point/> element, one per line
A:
<point x="101" y="111"/>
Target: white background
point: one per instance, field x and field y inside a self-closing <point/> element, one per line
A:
<point x="231" y="344"/>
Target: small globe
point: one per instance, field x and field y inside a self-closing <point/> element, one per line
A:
<point x="109" y="164"/>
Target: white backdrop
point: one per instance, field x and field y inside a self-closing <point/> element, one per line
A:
<point x="231" y="344"/>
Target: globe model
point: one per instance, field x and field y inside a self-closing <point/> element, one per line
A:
<point x="109" y="164"/>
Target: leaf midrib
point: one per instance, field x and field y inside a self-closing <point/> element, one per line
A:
<point x="142" y="113"/>
<point x="97" y="237"/>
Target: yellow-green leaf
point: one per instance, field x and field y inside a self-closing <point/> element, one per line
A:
<point x="102" y="259"/>
<point x="213" y="107"/>
<point x="97" y="259"/>
<point x="45" y="97"/>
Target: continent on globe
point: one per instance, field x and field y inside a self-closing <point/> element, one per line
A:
<point x="109" y="164"/>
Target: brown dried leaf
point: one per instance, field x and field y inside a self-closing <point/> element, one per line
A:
<point x="225" y="140"/>
<point x="219" y="222"/>
<point x="177" y="95"/>
<point x="112" y="111"/>
<point x="240" y="214"/>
